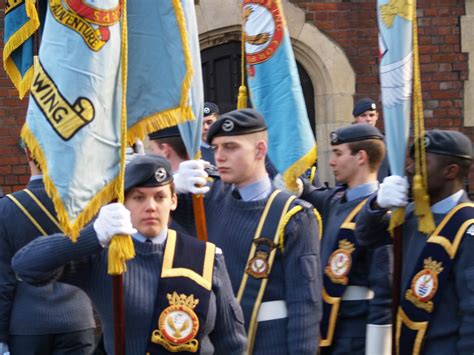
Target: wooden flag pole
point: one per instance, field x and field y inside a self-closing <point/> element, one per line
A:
<point x="200" y="217"/>
<point x="119" y="314"/>
<point x="396" y="285"/>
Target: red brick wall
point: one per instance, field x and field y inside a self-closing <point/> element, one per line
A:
<point x="14" y="172"/>
<point x="353" y="25"/>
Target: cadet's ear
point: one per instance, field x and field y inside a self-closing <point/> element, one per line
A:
<point x="451" y="171"/>
<point x="362" y="157"/>
<point x="261" y="150"/>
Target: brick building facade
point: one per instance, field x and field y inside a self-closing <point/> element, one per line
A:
<point x="352" y="25"/>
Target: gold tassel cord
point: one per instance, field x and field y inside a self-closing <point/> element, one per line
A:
<point x="121" y="247"/>
<point x="242" y="97"/>
<point x="422" y="203"/>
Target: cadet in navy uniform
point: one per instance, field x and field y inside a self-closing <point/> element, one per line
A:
<point x="56" y="318"/>
<point x="270" y="239"/>
<point x="168" y="143"/>
<point x="365" y="111"/>
<point x="211" y="114"/>
<point x="178" y="296"/>
<point x="436" y="314"/>
<point x="356" y="295"/>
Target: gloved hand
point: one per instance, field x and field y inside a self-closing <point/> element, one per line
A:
<point x="280" y="184"/>
<point x="113" y="219"/>
<point x="191" y="177"/>
<point x="393" y="192"/>
<point x="131" y="153"/>
<point x="4" y="349"/>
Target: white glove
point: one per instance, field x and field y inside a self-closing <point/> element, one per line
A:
<point x="130" y="153"/>
<point x="393" y="192"/>
<point x="113" y="219"/>
<point x="191" y="177"/>
<point x="4" y="349"/>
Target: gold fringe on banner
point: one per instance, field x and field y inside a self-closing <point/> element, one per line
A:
<point x="422" y="201"/>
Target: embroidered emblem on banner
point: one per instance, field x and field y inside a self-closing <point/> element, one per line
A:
<point x="178" y="325"/>
<point x="424" y="285"/>
<point x="65" y="118"/>
<point x="263" y="26"/>
<point x="91" y="23"/>
<point x="340" y="262"/>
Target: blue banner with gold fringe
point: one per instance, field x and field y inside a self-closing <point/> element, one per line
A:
<point x="20" y="24"/>
<point x="80" y="116"/>
<point x="275" y="88"/>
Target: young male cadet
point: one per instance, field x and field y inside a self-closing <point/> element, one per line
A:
<point x="177" y="292"/>
<point x="436" y="314"/>
<point x="356" y="294"/>
<point x="169" y="144"/>
<point x="211" y="114"/>
<point x="56" y="318"/>
<point x="272" y="255"/>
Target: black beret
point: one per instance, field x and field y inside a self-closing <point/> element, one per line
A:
<point x="147" y="171"/>
<point x="210" y="108"/>
<point x="363" y="105"/>
<point x="452" y="143"/>
<point x="355" y="132"/>
<point x="165" y="133"/>
<point x="237" y="123"/>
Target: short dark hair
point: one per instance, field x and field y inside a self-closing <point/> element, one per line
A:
<point x="464" y="164"/>
<point x="375" y="149"/>
<point x="177" y="144"/>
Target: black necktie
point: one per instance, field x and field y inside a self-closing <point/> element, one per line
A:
<point x="236" y="194"/>
<point x="148" y="241"/>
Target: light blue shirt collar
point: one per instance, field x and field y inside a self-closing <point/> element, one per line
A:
<point x="257" y="190"/>
<point x="362" y="190"/>
<point x="447" y="204"/>
<point x="159" y="239"/>
<point x="36" y="177"/>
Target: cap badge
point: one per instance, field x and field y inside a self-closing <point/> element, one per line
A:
<point x="372" y="106"/>
<point x="427" y="141"/>
<point x="207" y="110"/>
<point x="160" y="174"/>
<point x="227" y="126"/>
<point x="333" y="137"/>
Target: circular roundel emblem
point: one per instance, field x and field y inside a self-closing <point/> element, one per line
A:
<point x="340" y="262"/>
<point x="160" y="174"/>
<point x="333" y="137"/>
<point x="263" y="29"/>
<point x="424" y="285"/>
<point x="427" y="141"/>
<point x="259" y="265"/>
<point x="227" y="126"/>
<point x="178" y="324"/>
<point x="207" y="110"/>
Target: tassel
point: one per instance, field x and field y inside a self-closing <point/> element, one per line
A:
<point x="422" y="206"/>
<point x="120" y="250"/>
<point x="242" y="98"/>
<point x="397" y="218"/>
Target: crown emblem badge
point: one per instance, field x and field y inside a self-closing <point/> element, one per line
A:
<point x="340" y="263"/>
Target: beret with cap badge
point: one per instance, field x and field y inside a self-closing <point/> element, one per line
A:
<point x="210" y="108"/>
<point x="236" y="123"/>
<point x="451" y="143"/>
<point x="147" y="171"/>
<point x="363" y="105"/>
<point x="355" y="132"/>
<point x="165" y="133"/>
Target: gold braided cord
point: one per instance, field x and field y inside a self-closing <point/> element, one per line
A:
<point x="242" y="97"/>
<point x="419" y="184"/>
<point x="121" y="246"/>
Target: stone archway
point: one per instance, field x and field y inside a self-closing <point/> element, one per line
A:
<point x="325" y="62"/>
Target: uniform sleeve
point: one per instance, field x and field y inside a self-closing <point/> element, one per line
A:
<point x="372" y="225"/>
<point x="463" y="269"/>
<point x="56" y="258"/>
<point x="7" y="282"/>
<point x="228" y="335"/>
<point x="318" y="197"/>
<point x="303" y="282"/>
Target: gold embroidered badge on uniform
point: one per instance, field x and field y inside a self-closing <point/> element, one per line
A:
<point x="340" y="262"/>
<point x="178" y="325"/>
<point x="424" y="285"/>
